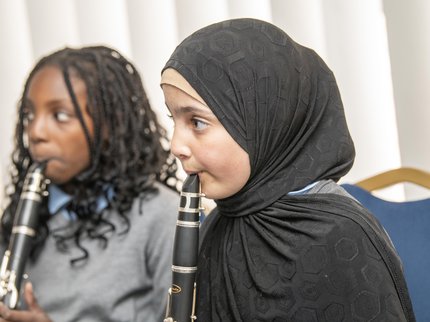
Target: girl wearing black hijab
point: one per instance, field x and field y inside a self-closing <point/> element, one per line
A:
<point x="260" y="119"/>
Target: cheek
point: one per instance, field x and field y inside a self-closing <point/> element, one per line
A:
<point x="228" y="157"/>
<point x="228" y="168"/>
<point x="62" y="171"/>
<point x="74" y="158"/>
<point x="213" y="156"/>
<point x="79" y="155"/>
<point x="218" y="163"/>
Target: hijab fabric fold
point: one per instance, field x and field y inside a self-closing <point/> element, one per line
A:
<point x="269" y="256"/>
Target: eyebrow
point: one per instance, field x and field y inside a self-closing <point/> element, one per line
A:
<point x="197" y="110"/>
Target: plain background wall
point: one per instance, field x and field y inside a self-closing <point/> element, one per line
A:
<point x="379" y="51"/>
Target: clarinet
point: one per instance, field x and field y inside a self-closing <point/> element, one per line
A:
<point x="182" y="294"/>
<point x="23" y="232"/>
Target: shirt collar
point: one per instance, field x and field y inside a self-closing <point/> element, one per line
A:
<point x="58" y="199"/>
<point x="304" y="190"/>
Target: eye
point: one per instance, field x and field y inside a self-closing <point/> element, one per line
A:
<point x="28" y="116"/>
<point x="62" y="116"/>
<point x="199" y="124"/>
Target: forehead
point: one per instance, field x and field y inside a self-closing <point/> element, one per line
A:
<point x="47" y="76"/>
<point x="171" y="77"/>
<point x="49" y="80"/>
<point x="180" y="102"/>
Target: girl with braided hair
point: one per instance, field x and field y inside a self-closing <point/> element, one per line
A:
<point x="103" y="247"/>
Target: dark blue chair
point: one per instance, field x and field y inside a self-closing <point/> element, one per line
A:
<point x="408" y="225"/>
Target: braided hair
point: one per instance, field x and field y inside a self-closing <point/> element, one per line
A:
<point x="129" y="159"/>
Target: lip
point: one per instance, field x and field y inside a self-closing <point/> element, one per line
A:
<point x="38" y="155"/>
<point x="41" y="158"/>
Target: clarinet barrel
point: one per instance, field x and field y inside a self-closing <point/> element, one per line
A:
<point x="181" y="304"/>
<point x="23" y="232"/>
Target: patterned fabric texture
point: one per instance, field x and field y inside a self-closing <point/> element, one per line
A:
<point x="407" y="224"/>
<point x="269" y="256"/>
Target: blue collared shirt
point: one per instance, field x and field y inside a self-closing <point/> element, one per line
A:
<point x="304" y="190"/>
<point x="58" y="200"/>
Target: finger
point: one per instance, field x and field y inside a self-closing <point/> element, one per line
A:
<point x="18" y="316"/>
<point x="30" y="299"/>
<point x="9" y="315"/>
<point x="4" y="312"/>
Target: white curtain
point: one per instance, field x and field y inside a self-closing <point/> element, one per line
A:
<point x="379" y="51"/>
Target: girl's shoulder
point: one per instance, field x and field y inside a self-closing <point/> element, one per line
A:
<point x="161" y="205"/>
<point x="163" y="197"/>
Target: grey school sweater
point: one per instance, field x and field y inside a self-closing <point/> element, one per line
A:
<point x="126" y="282"/>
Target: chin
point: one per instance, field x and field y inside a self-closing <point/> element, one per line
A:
<point x="214" y="190"/>
<point x="207" y="193"/>
<point x="210" y="194"/>
<point x="56" y="178"/>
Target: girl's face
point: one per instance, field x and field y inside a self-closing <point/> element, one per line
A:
<point x="204" y="146"/>
<point x="54" y="131"/>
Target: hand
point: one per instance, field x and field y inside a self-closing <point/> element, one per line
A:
<point x="33" y="314"/>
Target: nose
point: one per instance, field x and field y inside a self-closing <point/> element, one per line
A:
<point x="179" y="146"/>
<point x="37" y="129"/>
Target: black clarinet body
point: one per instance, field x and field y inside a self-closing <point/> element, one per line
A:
<point x="182" y="294"/>
<point x="23" y="232"/>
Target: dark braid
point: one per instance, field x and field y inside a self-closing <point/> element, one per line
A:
<point x="129" y="150"/>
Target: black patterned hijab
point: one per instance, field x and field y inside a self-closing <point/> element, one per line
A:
<point x="265" y="256"/>
<point x="277" y="99"/>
